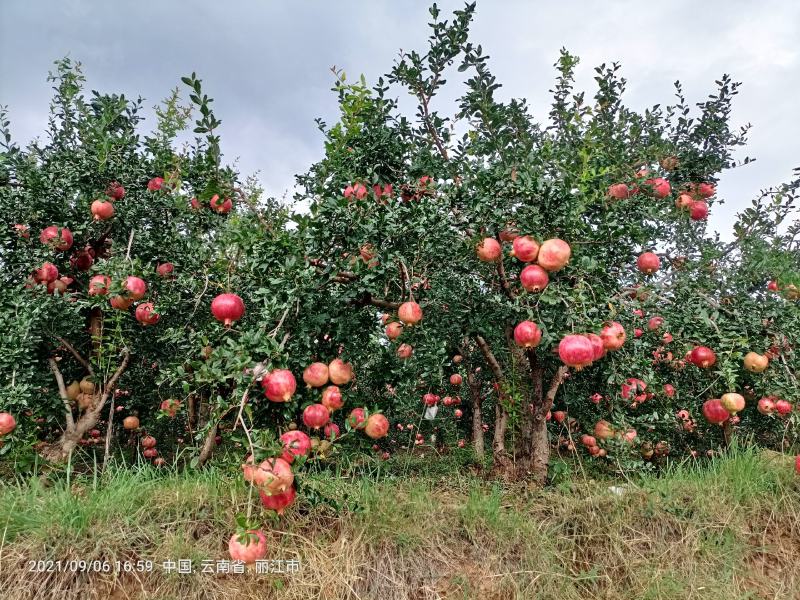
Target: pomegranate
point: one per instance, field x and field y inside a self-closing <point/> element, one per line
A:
<point x="155" y="184"/>
<point x="331" y="431"/>
<point x="340" y="371"/>
<point x="659" y="187"/>
<point x="135" y="288"/>
<point x="148" y="441"/>
<point x="332" y="398"/>
<point x="316" y="416"/>
<point x="489" y="250"/>
<point x="357" y="418"/>
<point x="278" y="502"/>
<point x="115" y="191"/>
<point x="714" y="412"/>
<point x="603" y="430"/>
<point x="704" y="190"/>
<point x="377" y="426"/>
<point x="170" y="407"/>
<point x="458" y="413"/>
<point x="227" y="308"/>
<point x="456" y="379"/>
<point x="534" y="278"/>
<point x="279" y="385"/>
<point x="295" y="443"/>
<point x="525" y="248"/>
<point x="797" y="464"/>
<point x="669" y="390"/>
<point x="316" y="375"/>
<point x="597" y="344"/>
<point x="783" y="407"/>
<point x="559" y="416"/>
<point x="58" y="238"/>
<point x="150" y="453"/>
<point x="554" y="255"/>
<point x="772" y="286"/>
<point x="698" y="211"/>
<point x="588" y="440"/>
<point x="410" y="313"/>
<point x="684" y="202"/>
<point x="732" y="402"/>
<point x="654" y="323"/>
<point x="102" y="210"/>
<point x="194" y="204"/>
<point x="249" y="546"/>
<point x="46" y="273"/>
<point x="766" y="406"/>
<point x="595" y="398"/>
<point x="431" y="399"/>
<point x="130" y="422"/>
<point x="146" y="314"/>
<point x="274" y="475"/>
<point x="404" y="351"/>
<point x="613" y="336"/>
<point x="59" y="285"/>
<point x="159" y="462"/>
<point x="120" y="303"/>
<point x="632" y="387"/>
<point x="457" y="359"/>
<point x="527" y="334"/>
<point x="669" y="163"/>
<point x="576" y="351"/>
<point x="702" y="357"/>
<point x="165" y="269"/>
<point x="222" y="207"/>
<point x="648" y="263"/>
<point x="73" y="389"/>
<point x="393" y="330"/>
<point x="618" y="191"/>
<point x="7" y="423"/>
<point x="22" y="230"/>
<point x="83" y="259"/>
<point x="755" y="363"/>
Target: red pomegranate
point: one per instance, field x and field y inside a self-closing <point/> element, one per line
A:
<point x="525" y="248"/>
<point x="684" y="202"/>
<point x="46" y="273"/>
<point x="534" y="278"/>
<point x="527" y="334"/>
<point x="404" y="351"/>
<point x="654" y="323"/>
<point x="393" y="330"/>
<point x="431" y="399"/>
<point x="702" y="357"/>
<point x="559" y="416"/>
<point x="7" y="423"/>
<point x="456" y="379"/>
<point x="249" y="546"/>
<point x="648" y="263"/>
<point x="222" y="207"/>
<point x="59" y="238"/>
<point x="135" y="288"/>
<point x="588" y="440"/>
<point x="295" y="443"/>
<point x="783" y="407"/>
<point x="155" y="184"/>
<point x="279" y="385"/>
<point x="146" y="314"/>
<point x="613" y="336"/>
<point x="316" y="416"/>
<point x="377" y="426"/>
<point x="165" y="269"/>
<point x="357" y="418"/>
<point x="714" y="412"/>
<point x="227" y="308"/>
<point x="772" y="286"/>
<point x="115" y="191"/>
<point x="331" y="431"/>
<point x="698" y="211"/>
<point x="489" y="250"/>
<point x="102" y="210"/>
<point x="766" y="406"/>
<point x="150" y="453"/>
<point x="82" y="260"/>
<point x="618" y="191"/>
<point x="60" y="285"/>
<point x="316" y="374"/>
<point x="170" y="407"/>
<point x="130" y="422"/>
<point x="148" y="441"/>
<point x="410" y="313"/>
<point x="458" y="413"/>
<point x="273" y="475"/>
<point x="669" y="390"/>
<point x="554" y="255"/>
<point x="278" y="502"/>
<point x="597" y="344"/>
<point x="632" y="387"/>
<point x="194" y="204"/>
<point x="22" y="230"/>
<point x="332" y="398"/>
<point x="603" y="430"/>
<point x="340" y="372"/>
<point x="121" y="303"/>
<point x="703" y="190"/>
<point x="659" y="187"/>
<point x="576" y="351"/>
<point x="732" y="402"/>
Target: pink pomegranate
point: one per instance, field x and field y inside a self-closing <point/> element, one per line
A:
<point x="332" y="398"/>
<point x="248" y="546"/>
<point x="704" y="190"/>
<point x="632" y="387"/>
<point x="684" y="202"/>
<point x="766" y="406"/>
<point x="165" y="270"/>
<point x="377" y="426"/>
<point x="613" y="336"/>
<point x="60" y="285"/>
<point x="194" y="204"/>
<point x="115" y="191"/>
<point x="7" y="423"/>
<point x="588" y="440"/>
<point x="148" y="441"/>
<point x="170" y="407"/>
<point x="146" y="314"/>
<point x="357" y="418"/>
<point x="772" y="286"/>
<point x="702" y="357"/>
<point x="316" y="374"/>
<point x="559" y="416"/>
<point x="340" y="372"/>
<point x="295" y="443"/>
<point x="273" y="475"/>
<point x="22" y="230"/>
<point x="783" y="407"/>
<point x="618" y="191"/>
<point x="603" y="430"/>
<point x="150" y="453"/>
<point x="316" y="416"/>
<point x="659" y="187"/>
<point x="278" y="502"/>
<point x="432" y="399"/>
<point x="714" y="412"/>
<point x="221" y="206"/>
<point x="404" y="351"/>
<point x="331" y="431"/>
<point x="121" y="303"/>
<point x="279" y="385"/>
<point x="597" y="344"/>
<point x="410" y="313"/>
<point x="227" y="308"/>
<point x="393" y="330"/>
<point x="669" y="390"/>
<point x="59" y="238"/>
<point x="82" y="260"/>
<point x="698" y="211"/>
<point x="648" y="263"/>
<point x="135" y="288"/>
<point x="554" y="255"/>
<point x="654" y="323"/>
<point x="534" y="278"/>
<point x="155" y="184"/>
<point x="527" y="334"/>
<point x="732" y="402"/>
<point x="46" y="273"/>
<point x="99" y="284"/>
<point x="102" y="210"/>
<point x="576" y="351"/>
<point x="525" y="248"/>
<point x="458" y="413"/>
<point x="489" y="250"/>
<point x="456" y="379"/>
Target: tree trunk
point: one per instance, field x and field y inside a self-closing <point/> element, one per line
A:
<point x="208" y="445"/>
<point x="477" y="417"/>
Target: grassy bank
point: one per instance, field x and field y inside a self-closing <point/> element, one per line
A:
<point x="728" y="529"/>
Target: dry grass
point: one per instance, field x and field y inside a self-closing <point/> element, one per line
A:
<point x="728" y="530"/>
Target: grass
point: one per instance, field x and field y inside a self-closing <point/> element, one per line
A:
<point x="727" y="529"/>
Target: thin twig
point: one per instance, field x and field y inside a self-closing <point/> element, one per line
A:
<point x="76" y="354"/>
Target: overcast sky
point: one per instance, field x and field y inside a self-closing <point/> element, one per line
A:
<point x="267" y="63"/>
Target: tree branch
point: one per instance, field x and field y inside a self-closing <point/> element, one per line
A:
<point x="368" y="299"/>
<point x="501" y="271"/>
<point x="251" y="205"/>
<point x="62" y="391"/>
<point x="111" y="384"/>
<point x="490" y="358"/>
<point x="76" y="354"/>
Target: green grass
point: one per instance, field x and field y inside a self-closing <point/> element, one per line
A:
<point x="727" y="528"/>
